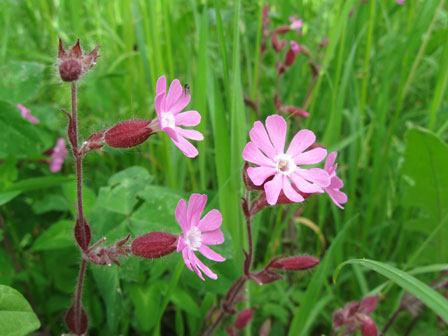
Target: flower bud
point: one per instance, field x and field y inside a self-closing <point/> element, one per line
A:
<point x="247" y="181"/>
<point x="368" y="304"/>
<point x="276" y="44"/>
<point x="368" y="327"/>
<point x="293" y="111"/>
<point x="244" y="318"/>
<point x="95" y="141"/>
<point x="70" y="321"/>
<point x="297" y="263"/>
<point x="282" y="29"/>
<point x="73" y="64"/>
<point x="265" y="276"/>
<point x="79" y="235"/>
<point x="128" y="133"/>
<point x="154" y="245"/>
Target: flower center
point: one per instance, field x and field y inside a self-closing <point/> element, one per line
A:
<point x="284" y="164"/>
<point x="193" y="238"/>
<point x="168" y="120"/>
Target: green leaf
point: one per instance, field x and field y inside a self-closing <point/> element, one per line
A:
<point x="121" y="194"/>
<point x="57" y="236"/>
<point x="424" y="168"/>
<point x="88" y="196"/>
<point x="18" y="137"/>
<point x="146" y="300"/>
<point x="37" y="183"/>
<point x="8" y="196"/>
<point x="420" y="290"/>
<point x="16" y="316"/>
<point x="50" y="202"/>
<point x="20" y="81"/>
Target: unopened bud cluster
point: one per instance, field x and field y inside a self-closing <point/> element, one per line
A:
<point x="73" y="64"/>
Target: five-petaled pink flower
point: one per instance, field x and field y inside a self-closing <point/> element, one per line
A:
<point x="26" y="114"/>
<point x="268" y="152"/>
<point x="168" y="107"/>
<point x="58" y="155"/>
<point x="296" y="24"/>
<point x="198" y="233"/>
<point x="336" y="183"/>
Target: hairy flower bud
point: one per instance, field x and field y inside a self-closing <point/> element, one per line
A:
<point x="72" y="62"/>
<point x="244" y="318"/>
<point x="154" y="245"/>
<point x="368" y="327"/>
<point x="265" y="276"/>
<point x="71" y="319"/>
<point x="129" y="133"/>
<point x="297" y="263"/>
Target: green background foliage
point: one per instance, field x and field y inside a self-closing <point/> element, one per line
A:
<point x="380" y="101"/>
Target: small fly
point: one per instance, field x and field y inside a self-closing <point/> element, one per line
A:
<point x="187" y="89"/>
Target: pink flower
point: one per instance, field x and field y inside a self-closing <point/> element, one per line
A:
<point x="268" y="152"/>
<point x="168" y="107"/>
<point x="400" y="2"/>
<point x="58" y="156"/>
<point x="336" y="183"/>
<point x="198" y="233"/>
<point x="296" y="24"/>
<point x="355" y="316"/>
<point x="26" y="114"/>
<point x="295" y="47"/>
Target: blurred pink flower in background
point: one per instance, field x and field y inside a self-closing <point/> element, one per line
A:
<point x="26" y="114"/>
<point x="336" y="183"/>
<point x="198" y="233"/>
<point x="58" y="156"/>
<point x="296" y="24"/>
<point x="400" y="2"/>
<point x="168" y="107"/>
<point x="268" y="152"/>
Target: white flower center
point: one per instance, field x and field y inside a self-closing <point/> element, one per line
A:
<point x="284" y="164"/>
<point x="193" y="238"/>
<point x="168" y="120"/>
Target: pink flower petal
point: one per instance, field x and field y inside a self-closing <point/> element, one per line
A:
<point x="214" y="237"/>
<point x="190" y="134"/>
<point x="194" y="262"/>
<point x="181" y="103"/>
<point x="260" y="137"/>
<point x="301" y="141"/>
<point x="337" y="197"/>
<point x="205" y="269"/>
<point x="313" y="156"/>
<point x="159" y="103"/>
<point x="211" y="221"/>
<point x="161" y="85"/>
<point x="330" y="160"/>
<point x="181" y="244"/>
<point x="273" y="188"/>
<point x="186" y="258"/>
<point x="173" y="94"/>
<point x="188" y="118"/>
<point x="305" y="186"/>
<point x="252" y="154"/>
<point x="196" y="205"/>
<point x="336" y="183"/>
<point x="210" y="254"/>
<point x="315" y="175"/>
<point x="181" y="215"/>
<point x="276" y="126"/>
<point x="171" y="133"/>
<point x="290" y="193"/>
<point x="259" y="174"/>
<point x="186" y="147"/>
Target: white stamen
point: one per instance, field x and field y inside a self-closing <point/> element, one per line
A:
<point x="193" y="238"/>
<point x="168" y="120"/>
<point x="284" y="164"/>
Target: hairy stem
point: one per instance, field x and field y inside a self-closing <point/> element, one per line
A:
<point x="80" y="212"/>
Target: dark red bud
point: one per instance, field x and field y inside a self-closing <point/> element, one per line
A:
<point x="297" y="263"/>
<point x="230" y="331"/>
<point x="154" y="245"/>
<point x="282" y="29"/>
<point x="293" y="111"/>
<point x="128" y="133"/>
<point x="75" y="326"/>
<point x="79" y="235"/>
<point x="265" y="276"/>
<point x="244" y="318"/>
<point x="368" y="327"/>
<point x="70" y="70"/>
<point x="247" y="181"/>
<point x="276" y="44"/>
<point x="368" y="304"/>
<point x="290" y="58"/>
<point x="280" y="67"/>
<point x="339" y="319"/>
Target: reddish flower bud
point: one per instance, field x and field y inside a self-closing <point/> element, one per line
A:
<point x="368" y="304"/>
<point x="230" y="331"/>
<point x="282" y="29"/>
<point x="276" y="44"/>
<point x="265" y="276"/>
<point x="128" y="133"/>
<point x="265" y="12"/>
<point x="154" y="245"/>
<point x="280" y="67"/>
<point x="290" y="58"/>
<point x="297" y="263"/>
<point x="368" y="327"/>
<point x="73" y="64"/>
<point x="244" y="318"/>
<point x="294" y="111"/>
<point x="79" y="235"/>
<point x="78" y="328"/>
<point x="95" y="141"/>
